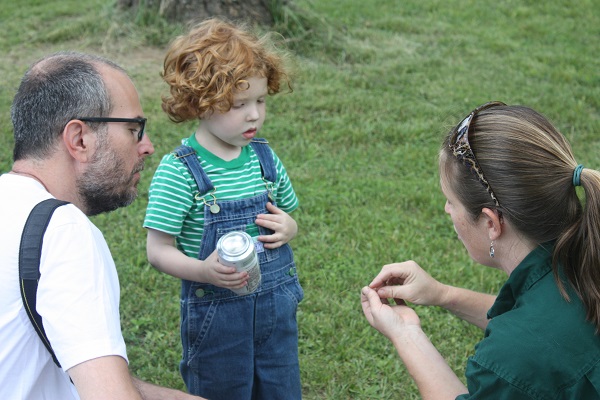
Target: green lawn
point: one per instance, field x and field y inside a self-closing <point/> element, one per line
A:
<point x="377" y="85"/>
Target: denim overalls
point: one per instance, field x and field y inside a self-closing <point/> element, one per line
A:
<point x="241" y="347"/>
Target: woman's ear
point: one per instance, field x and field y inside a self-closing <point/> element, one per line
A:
<point x="493" y="220"/>
<point x="77" y="137"/>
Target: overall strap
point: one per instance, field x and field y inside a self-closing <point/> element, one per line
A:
<point x="187" y="155"/>
<point x="30" y="252"/>
<point x="265" y="157"/>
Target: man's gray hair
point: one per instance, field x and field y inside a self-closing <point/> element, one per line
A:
<point x="55" y="90"/>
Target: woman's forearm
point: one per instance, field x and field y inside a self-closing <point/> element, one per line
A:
<point x="468" y="305"/>
<point x="434" y="378"/>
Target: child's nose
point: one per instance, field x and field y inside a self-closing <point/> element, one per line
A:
<point x="253" y="113"/>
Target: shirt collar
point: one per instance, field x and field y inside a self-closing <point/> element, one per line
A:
<point x="534" y="266"/>
<point x="204" y="154"/>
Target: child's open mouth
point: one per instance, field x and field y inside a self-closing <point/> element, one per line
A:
<point x="249" y="134"/>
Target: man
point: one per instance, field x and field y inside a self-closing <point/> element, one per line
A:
<point x="79" y="136"/>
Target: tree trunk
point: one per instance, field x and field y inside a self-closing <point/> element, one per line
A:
<point x="255" y="11"/>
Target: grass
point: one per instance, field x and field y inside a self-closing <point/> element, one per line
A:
<point x="377" y="85"/>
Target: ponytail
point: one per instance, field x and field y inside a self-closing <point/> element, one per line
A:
<point x="577" y="248"/>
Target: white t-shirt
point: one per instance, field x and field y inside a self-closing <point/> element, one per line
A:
<point x="78" y="297"/>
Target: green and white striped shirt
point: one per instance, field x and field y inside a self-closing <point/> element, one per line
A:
<point x="173" y="209"/>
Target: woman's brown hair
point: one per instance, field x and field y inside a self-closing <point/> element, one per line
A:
<point x="529" y="165"/>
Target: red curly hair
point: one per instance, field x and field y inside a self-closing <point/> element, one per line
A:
<point x="207" y="66"/>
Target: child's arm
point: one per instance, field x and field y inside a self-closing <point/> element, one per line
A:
<point x="165" y="257"/>
<point x="281" y="223"/>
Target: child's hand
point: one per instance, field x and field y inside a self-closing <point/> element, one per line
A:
<point x="280" y="222"/>
<point x="217" y="274"/>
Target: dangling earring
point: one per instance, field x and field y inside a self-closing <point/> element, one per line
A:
<point x="492" y="249"/>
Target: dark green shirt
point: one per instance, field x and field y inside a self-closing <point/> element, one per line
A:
<point x="536" y="345"/>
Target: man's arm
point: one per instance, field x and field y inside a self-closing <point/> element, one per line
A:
<point x="109" y="378"/>
<point x="154" y="392"/>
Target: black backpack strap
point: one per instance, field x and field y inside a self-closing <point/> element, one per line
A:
<point x="30" y="252"/>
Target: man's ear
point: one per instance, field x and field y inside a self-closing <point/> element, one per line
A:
<point x="78" y="139"/>
<point x="493" y="220"/>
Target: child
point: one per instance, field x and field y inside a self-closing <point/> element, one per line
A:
<point x="234" y="346"/>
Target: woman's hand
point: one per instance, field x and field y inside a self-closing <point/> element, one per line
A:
<point x="390" y="320"/>
<point x="401" y="325"/>
<point x="409" y="282"/>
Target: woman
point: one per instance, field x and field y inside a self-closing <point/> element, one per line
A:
<point x="509" y="178"/>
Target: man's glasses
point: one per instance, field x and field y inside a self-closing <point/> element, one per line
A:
<point x="140" y="121"/>
<point x="459" y="144"/>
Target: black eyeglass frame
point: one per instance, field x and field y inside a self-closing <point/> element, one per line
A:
<point x="461" y="149"/>
<point x="141" y="121"/>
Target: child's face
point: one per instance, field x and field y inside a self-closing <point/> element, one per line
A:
<point x="236" y="127"/>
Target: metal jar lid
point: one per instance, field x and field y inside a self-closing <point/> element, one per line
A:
<point x="235" y="243"/>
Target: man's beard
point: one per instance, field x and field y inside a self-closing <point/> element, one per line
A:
<point x="105" y="186"/>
